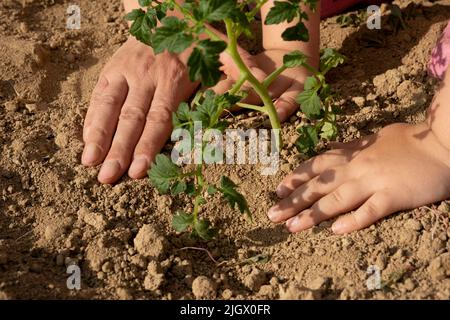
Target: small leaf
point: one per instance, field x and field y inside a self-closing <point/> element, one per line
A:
<point x="281" y="12"/>
<point x="190" y="188"/>
<point x="228" y="189"/>
<point x="178" y="187"/>
<point x="259" y="258"/>
<point x="203" y="229"/>
<point x="173" y="36"/>
<point x="145" y="3"/>
<point x="142" y="25"/>
<point x="299" y="32"/>
<point x="214" y="10"/>
<point x="330" y="59"/>
<point x="294" y="59"/>
<point x="310" y="103"/>
<point x="312" y="83"/>
<point x="163" y="173"/>
<point x="212" y="190"/>
<point x="134" y="14"/>
<point x="204" y="62"/>
<point x="182" y="221"/>
<point x="308" y="140"/>
<point x="329" y="131"/>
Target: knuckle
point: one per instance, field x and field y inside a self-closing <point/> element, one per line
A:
<point x="337" y="197"/>
<point x="159" y="114"/>
<point x="371" y="209"/>
<point x="289" y="100"/>
<point x="133" y="114"/>
<point x="96" y="134"/>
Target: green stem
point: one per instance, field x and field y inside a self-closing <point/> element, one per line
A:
<point x="258" y="7"/>
<point x="237" y="86"/>
<point x="259" y="88"/>
<point x="271" y="78"/>
<point x="199" y="191"/>
<point x="250" y="106"/>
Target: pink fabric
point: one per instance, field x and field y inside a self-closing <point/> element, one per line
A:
<point x="334" y="7"/>
<point x="440" y="56"/>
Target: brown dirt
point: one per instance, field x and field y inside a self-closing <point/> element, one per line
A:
<point x="54" y="213"/>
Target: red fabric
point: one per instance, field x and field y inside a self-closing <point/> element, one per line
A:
<point x="334" y="7"/>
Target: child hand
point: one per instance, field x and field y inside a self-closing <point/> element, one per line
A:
<point x="402" y="167"/>
<point x="129" y="117"/>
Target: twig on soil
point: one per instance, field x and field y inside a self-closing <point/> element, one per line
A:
<point x="24" y="235"/>
<point x="204" y="250"/>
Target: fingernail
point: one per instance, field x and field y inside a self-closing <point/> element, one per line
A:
<point x="91" y="154"/>
<point x="109" y="170"/>
<point x="138" y="167"/>
<point x="273" y="212"/>
<point x="337" y="227"/>
<point x="291" y="223"/>
<point x="282" y="191"/>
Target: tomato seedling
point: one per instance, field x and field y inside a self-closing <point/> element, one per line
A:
<point x="156" y="27"/>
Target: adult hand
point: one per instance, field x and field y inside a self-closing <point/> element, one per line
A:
<point x="402" y="167"/>
<point x="129" y="117"/>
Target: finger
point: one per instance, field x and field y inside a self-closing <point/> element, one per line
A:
<point x="101" y="118"/>
<point x="376" y="207"/>
<point x="287" y="104"/>
<point x="223" y="86"/>
<point x="129" y="129"/>
<point x="310" y="169"/>
<point x="308" y="193"/>
<point x="344" y="199"/>
<point x="157" y="129"/>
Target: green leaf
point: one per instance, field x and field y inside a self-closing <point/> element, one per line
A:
<point x="281" y="12"/>
<point x="228" y="189"/>
<point x="299" y="32"/>
<point x="173" y="36"/>
<point x="330" y="59"/>
<point x="163" y="173"/>
<point x="145" y="3"/>
<point x="134" y="14"/>
<point x="329" y="131"/>
<point x="212" y="190"/>
<point x="204" y="62"/>
<point x="308" y="140"/>
<point x="311" y="83"/>
<point x="202" y="229"/>
<point x="142" y="26"/>
<point x="294" y="59"/>
<point x="190" y="188"/>
<point x="310" y="103"/>
<point x="259" y="258"/>
<point x="182" y="221"/>
<point x="178" y="187"/>
<point x="182" y="116"/>
<point x="214" y="10"/>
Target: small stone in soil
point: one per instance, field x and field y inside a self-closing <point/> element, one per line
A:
<point x="204" y="288"/>
<point x="149" y="242"/>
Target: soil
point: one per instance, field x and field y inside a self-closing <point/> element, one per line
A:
<point x="53" y="213"/>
